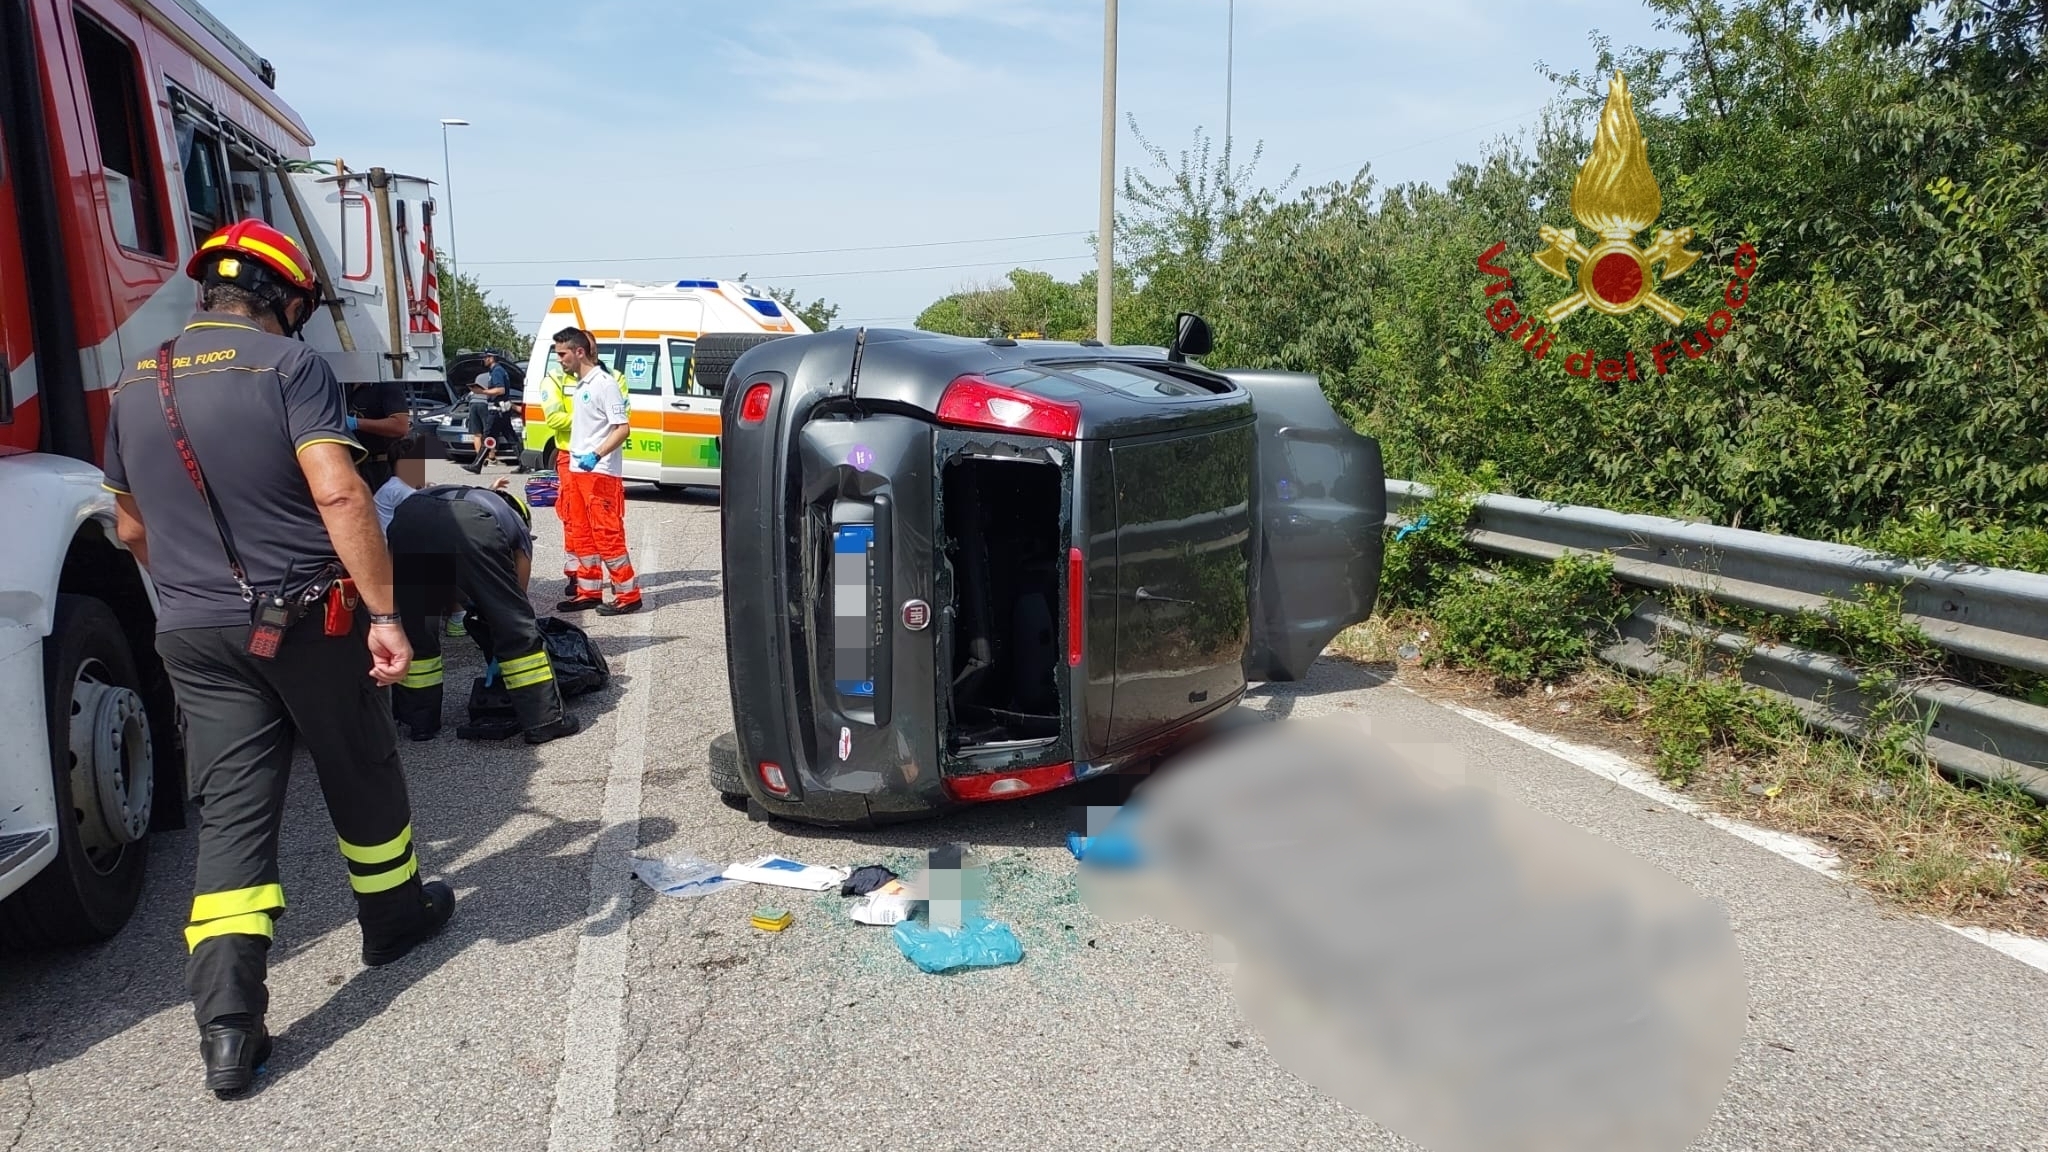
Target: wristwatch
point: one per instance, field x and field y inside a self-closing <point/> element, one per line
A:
<point x="384" y="618"/>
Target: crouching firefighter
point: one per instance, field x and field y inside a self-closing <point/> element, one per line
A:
<point x="228" y="451"/>
<point x="452" y="544"/>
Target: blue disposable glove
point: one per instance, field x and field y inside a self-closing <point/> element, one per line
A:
<point x="587" y="462"/>
<point x="351" y="423"/>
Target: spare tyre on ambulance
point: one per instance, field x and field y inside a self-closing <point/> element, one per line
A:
<point x="649" y="335"/>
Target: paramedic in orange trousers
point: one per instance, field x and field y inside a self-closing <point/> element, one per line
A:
<point x="593" y="488"/>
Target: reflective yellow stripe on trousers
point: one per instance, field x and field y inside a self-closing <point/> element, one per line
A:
<point x="424" y="673"/>
<point x="388" y="864"/>
<point x="240" y="901"/>
<point x="236" y="912"/>
<point x="383" y="853"/>
<point x="251" y="924"/>
<point x="526" y="671"/>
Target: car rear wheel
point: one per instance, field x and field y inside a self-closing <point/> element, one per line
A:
<point x="725" y="770"/>
<point x="103" y="770"/>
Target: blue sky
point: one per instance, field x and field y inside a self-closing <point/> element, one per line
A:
<point x="948" y="140"/>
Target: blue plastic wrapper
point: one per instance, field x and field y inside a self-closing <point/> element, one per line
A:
<point x="681" y="875"/>
<point x="976" y="944"/>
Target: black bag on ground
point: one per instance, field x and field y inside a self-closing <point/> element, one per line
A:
<point x="579" y="664"/>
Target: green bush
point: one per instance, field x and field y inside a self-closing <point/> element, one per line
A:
<point x="1687" y="718"/>
<point x="1421" y="557"/>
<point x="1525" y="627"/>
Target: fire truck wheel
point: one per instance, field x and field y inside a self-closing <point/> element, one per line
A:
<point x="103" y="771"/>
<point x="725" y="771"/>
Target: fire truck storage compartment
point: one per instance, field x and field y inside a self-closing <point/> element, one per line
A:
<point x="1002" y="529"/>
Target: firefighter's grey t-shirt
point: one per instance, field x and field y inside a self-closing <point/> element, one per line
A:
<point x="251" y="402"/>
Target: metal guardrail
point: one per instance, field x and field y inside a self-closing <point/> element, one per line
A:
<point x="1988" y="614"/>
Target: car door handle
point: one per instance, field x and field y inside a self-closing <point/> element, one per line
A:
<point x="1148" y="594"/>
<point x="679" y="404"/>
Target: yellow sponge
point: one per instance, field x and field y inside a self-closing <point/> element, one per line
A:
<point x="772" y="919"/>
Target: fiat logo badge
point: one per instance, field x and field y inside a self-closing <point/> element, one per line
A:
<point x="916" y="614"/>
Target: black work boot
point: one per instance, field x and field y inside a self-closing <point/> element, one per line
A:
<point x="568" y="725"/>
<point x="419" y="709"/>
<point x="234" y="1049"/>
<point x="396" y="922"/>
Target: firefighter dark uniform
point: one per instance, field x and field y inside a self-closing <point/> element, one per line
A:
<point x="249" y="403"/>
<point x="452" y="544"/>
<point x="375" y="402"/>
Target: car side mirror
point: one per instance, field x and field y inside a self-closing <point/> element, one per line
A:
<point x="1191" y="337"/>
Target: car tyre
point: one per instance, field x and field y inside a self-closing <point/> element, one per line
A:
<point x="83" y="896"/>
<point x="724" y="771"/>
<point x="716" y="353"/>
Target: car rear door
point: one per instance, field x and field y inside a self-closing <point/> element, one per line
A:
<point x="1322" y="503"/>
<point x="1183" y="517"/>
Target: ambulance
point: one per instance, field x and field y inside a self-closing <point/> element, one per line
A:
<point x="647" y="334"/>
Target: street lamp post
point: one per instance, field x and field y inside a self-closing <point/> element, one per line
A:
<point x="1105" y="260"/>
<point x="447" y="183"/>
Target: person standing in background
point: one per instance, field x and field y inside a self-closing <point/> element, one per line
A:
<point x="490" y="386"/>
<point x="381" y="418"/>
<point x="555" y="410"/>
<point x="594" y="487"/>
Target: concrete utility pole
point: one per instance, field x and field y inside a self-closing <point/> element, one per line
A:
<point x="1105" y="257"/>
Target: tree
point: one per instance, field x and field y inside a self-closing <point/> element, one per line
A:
<point x="1888" y="162"/>
<point x="1025" y="301"/>
<point x="471" y="321"/>
<point x="818" y="315"/>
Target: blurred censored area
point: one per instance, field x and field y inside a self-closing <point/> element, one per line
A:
<point x="1472" y="975"/>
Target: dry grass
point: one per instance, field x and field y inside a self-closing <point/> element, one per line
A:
<point x="1907" y="834"/>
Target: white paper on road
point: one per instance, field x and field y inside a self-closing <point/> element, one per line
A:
<point x="785" y="873"/>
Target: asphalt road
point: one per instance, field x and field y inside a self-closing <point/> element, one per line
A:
<point x="569" y="1007"/>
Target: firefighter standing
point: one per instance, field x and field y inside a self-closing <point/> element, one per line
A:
<point x="593" y="486"/>
<point x="451" y="543"/>
<point x="251" y="493"/>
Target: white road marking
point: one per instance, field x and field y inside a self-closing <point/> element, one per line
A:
<point x="587" y="1093"/>
<point x="1798" y="849"/>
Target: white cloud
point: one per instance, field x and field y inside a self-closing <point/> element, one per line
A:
<point x="906" y="63"/>
<point x="1009" y="13"/>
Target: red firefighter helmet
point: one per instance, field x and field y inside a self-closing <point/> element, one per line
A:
<point x="268" y="247"/>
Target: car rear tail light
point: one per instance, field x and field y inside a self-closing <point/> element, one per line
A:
<point x="1077" y="605"/>
<point x="1010" y="785"/>
<point x="754" y="406"/>
<point x="772" y="778"/>
<point x="972" y="402"/>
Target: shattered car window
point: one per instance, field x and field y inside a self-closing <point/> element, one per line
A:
<point x="1133" y="381"/>
<point x="1039" y="383"/>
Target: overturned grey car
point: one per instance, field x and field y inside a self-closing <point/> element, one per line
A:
<point x="961" y="571"/>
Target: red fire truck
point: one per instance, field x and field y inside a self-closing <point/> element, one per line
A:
<point x="129" y="130"/>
